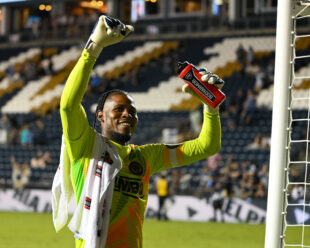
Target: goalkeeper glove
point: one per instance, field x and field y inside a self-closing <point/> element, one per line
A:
<point x="211" y="79"/>
<point x="106" y="32"/>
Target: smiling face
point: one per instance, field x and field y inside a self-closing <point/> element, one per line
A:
<point x="118" y="118"/>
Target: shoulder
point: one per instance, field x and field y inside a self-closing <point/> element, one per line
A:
<point x="148" y="148"/>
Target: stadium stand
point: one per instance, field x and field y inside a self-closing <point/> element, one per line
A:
<point x="147" y="71"/>
<point x="159" y="91"/>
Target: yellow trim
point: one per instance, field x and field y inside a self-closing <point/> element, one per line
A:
<point x="180" y="157"/>
<point x="166" y="156"/>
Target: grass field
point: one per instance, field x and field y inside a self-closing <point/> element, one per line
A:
<point x="28" y="230"/>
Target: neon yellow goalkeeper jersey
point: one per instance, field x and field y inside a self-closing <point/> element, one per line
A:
<point x="139" y="162"/>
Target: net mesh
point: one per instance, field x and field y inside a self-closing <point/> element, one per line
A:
<point x="296" y="230"/>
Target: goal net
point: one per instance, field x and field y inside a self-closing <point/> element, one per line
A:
<point x="288" y="210"/>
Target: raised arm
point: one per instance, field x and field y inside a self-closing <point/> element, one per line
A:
<point x="73" y="117"/>
<point x="74" y="121"/>
<point x="164" y="156"/>
<point x="208" y="142"/>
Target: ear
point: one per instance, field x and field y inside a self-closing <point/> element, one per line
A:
<point x="99" y="115"/>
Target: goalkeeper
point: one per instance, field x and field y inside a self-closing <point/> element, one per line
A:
<point x="118" y="119"/>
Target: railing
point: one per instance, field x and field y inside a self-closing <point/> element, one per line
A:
<point x="152" y="28"/>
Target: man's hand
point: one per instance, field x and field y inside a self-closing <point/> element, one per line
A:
<point x="106" y="32"/>
<point x="210" y="78"/>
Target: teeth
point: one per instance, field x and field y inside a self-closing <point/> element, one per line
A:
<point x="125" y="124"/>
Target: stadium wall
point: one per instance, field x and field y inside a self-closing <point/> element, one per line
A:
<point x="181" y="208"/>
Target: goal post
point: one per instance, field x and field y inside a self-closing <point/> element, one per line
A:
<point x="279" y="141"/>
<point x="285" y="100"/>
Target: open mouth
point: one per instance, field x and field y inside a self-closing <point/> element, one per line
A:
<point x="125" y="124"/>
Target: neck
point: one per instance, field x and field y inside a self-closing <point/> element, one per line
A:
<point x="119" y="138"/>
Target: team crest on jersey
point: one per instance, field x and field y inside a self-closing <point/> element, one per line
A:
<point x="136" y="168"/>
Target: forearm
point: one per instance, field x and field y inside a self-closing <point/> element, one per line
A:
<point x="73" y="116"/>
<point x="77" y="82"/>
<point x="208" y="143"/>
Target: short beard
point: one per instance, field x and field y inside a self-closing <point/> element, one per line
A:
<point x="120" y="138"/>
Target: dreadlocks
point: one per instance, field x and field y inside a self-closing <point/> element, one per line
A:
<point x="103" y="98"/>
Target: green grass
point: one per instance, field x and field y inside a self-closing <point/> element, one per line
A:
<point x="29" y="230"/>
<point x="202" y="235"/>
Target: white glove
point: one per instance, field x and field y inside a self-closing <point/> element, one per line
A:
<point x="210" y="78"/>
<point x="106" y="32"/>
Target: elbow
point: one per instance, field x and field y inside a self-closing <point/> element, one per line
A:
<point x="64" y="105"/>
<point x="217" y="148"/>
<point x="213" y="148"/>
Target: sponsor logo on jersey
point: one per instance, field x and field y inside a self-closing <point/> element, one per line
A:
<point x="129" y="186"/>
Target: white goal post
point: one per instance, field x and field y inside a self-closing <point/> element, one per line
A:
<point x="283" y="124"/>
<point x="279" y="142"/>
